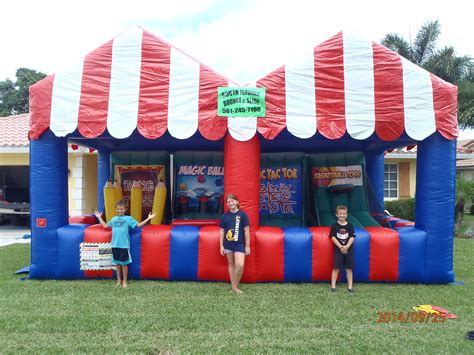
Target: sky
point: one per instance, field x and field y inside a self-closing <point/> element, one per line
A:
<point x="242" y="39"/>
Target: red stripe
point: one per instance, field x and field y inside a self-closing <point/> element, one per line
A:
<point x="269" y="263"/>
<point x="329" y="82"/>
<point x="155" y="252"/>
<point x="384" y="250"/>
<point x="388" y="87"/>
<point x="154" y="87"/>
<point x="210" y="125"/>
<point x="98" y="234"/>
<point x="322" y="254"/>
<point x="40" y="106"/>
<point x="212" y="266"/>
<point x="95" y="87"/>
<point x="445" y="106"/>
<point x="275" y="97"/>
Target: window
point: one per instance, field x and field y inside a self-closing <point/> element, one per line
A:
<point x="390" y="181"/>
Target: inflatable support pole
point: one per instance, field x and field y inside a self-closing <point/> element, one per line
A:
<point x="103" y="172"/>
<point x="435" y="196"/>
<point x="49" y="202"/>
<point x="159" y="203"/>
<point x="242" y="178"/>
<point x="374" y="165"/>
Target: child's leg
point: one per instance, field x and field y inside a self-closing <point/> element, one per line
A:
<point x="231" y="267"/>
<point x="125" y="276"/>
<point x="334" y="274"/>
<point x="118" y="271"/>
<point x="349" y="278"/>
<point x="238" y="270"/>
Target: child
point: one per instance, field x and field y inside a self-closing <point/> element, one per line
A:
<point x="342" y="235"/>
<point x="121" y="239"/>
<point x="236" y="244"/>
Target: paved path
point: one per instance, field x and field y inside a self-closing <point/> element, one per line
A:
<point x="10" y="234"/>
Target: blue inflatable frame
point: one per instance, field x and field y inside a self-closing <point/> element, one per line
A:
<point x="426" y="251"/>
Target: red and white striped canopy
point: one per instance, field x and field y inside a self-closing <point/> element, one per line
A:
<point x="138" y="81"/>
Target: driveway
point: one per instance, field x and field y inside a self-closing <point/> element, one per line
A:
<point x="10" y="234"/>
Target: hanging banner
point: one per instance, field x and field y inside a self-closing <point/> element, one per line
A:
<point x="148" y="176"/>
<point x="238" y="102"/>
<point x="281" y="191"/>
<point x="199" y="189"/>
<point x="337" y="175"/>
<point x="96" y="256"/>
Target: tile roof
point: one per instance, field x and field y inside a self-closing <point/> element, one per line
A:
<point x="14" y="131"/>
<point x="465" y="163"/>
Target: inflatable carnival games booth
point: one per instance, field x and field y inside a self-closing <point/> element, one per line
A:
<point x="174" y="137"/>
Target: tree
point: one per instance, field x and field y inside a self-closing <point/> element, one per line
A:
<point x="444" y="63"/>
<point x="464" y="197"/>
<point x="14" y="96"/>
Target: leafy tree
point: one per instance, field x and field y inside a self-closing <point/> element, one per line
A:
<point x="443" y="63"/>
<point x="464" y="197"/>
<point x="14" y="95"/>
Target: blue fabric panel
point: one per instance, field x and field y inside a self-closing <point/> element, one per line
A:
<point x="103" y="174"/>
<point x="374" y="168"/>
<point x="412" y="255"/>
<point x="297" y="254"/>
<point x="49" y="199"/>
<point x="184" y="245"/>
<point x="435" y="196"/>
<point x="135" y="250"/>
<point x="362" y="255"/>
<point x="44" y="255"/>
<point x="70" y="238"/>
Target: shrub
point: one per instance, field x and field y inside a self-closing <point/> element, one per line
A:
<point x="464" y="232"/>
<point x="404" y="209"/>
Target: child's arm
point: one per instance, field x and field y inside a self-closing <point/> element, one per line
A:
<point x="247" y="240"/>
<point x="336" y="242"/>
<point x="145" y="221"/>
<point x="99" y="217"/>
<point x="221" y="241"/>
<point x="346" y="247"/>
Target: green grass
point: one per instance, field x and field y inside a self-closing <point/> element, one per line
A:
<point x="174" y="317"/>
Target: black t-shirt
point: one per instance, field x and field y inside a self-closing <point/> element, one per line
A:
<point x="234" y="225"/>
<point x="342" y="233"/>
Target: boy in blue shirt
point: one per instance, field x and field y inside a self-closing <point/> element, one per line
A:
<point x="121" y="239"/>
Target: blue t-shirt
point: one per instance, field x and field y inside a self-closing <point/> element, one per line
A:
<point x="234" y="225"/>
<point x="120" y="226"/>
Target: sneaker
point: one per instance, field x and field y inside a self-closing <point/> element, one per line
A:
<point x="333" y="289"/>
<point x="351" y="290"/>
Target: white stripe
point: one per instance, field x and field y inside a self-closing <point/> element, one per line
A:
<point x="359" y="86"/>
<point x="183" y="102"/>
<point x="65" y="100"/>
<point x="242" y="128"/>
<point x="125" y="83"/>
<point x="418" y="101"/>
<point x="300" y="96"/>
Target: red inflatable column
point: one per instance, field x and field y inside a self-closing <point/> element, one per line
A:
<point x="242" y="178"/>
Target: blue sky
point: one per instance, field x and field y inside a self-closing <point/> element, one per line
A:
<point x="244" y="40"/>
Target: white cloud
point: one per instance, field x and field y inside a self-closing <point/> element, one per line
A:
<point x="243" y="40"/>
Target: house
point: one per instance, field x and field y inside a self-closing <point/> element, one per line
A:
<point x="15" y="161"/>
<point x="400" y="169"/>
<point x="465" y="167"/>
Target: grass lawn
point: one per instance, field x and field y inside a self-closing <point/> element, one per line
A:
<point x="172" y="317"/>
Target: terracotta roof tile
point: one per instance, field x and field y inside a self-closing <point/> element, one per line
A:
<point x="14" y="131"/>
<point x="465" y="163"/>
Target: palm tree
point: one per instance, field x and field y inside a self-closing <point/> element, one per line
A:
<point x="443" y="63"/>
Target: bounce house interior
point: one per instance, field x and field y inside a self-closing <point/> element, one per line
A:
<point x="151" y="113"/>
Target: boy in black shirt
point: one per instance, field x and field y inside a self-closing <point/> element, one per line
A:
<point x="342" y="235"/>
